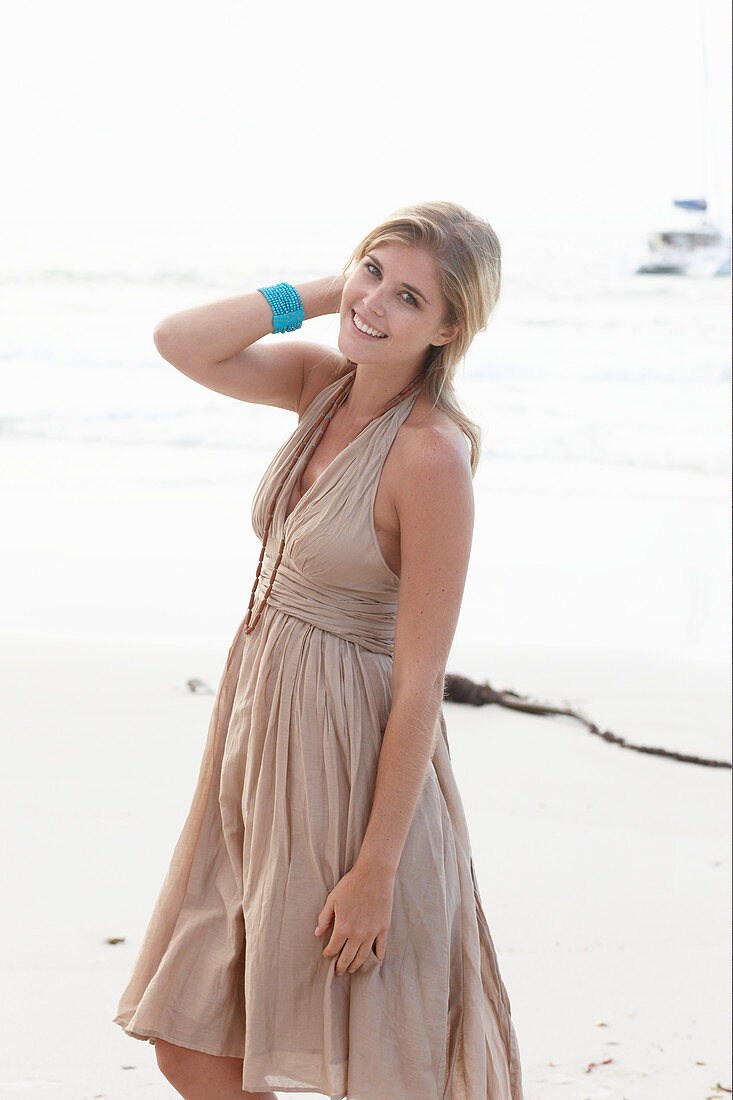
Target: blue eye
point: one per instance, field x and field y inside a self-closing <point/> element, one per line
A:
<point x="370" y="267"/>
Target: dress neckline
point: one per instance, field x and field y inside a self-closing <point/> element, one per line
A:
<point x="375" y="420"/>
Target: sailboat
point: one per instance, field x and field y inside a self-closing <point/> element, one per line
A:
<point x="699" y="249"/>
<point x="695" y="244"/>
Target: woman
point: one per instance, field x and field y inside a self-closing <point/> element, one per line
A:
<point x="326" y="794"/>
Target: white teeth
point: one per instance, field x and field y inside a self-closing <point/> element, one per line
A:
<point x="365" y="328"/>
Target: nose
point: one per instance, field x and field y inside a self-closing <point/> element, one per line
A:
<point x="373" y="302"/>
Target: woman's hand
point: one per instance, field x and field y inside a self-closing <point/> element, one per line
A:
<point x="360" y="905"/>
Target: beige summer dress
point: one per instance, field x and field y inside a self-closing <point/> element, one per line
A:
<point x="229" y="963"/>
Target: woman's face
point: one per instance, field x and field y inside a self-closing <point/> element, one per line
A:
<point x="394" y="291"/>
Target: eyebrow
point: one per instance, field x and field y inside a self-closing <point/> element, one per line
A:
<point x="407" y="285"/>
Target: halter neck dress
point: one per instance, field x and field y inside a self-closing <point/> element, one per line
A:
<point x="229" y="963"/>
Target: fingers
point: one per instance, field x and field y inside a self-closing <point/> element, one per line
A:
<point x="325" y="917"/>
<point x="352" y="954"/>
<point x="359" y="957"/>
<point x="334" y="945"/>
<point x="346" y="959"/>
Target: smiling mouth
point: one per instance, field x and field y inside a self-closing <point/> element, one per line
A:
<point x="364" y="329"/>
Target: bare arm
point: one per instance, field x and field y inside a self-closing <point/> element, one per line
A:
<point x="436" y="513"/>
<point x="216" y="344"/>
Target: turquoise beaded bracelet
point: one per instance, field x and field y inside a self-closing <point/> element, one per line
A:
<point x="287" y="308"/>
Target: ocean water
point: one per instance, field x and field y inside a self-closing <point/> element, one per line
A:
<point x="604" y="399"/>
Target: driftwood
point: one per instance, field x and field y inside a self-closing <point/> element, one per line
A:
<point x="459" y="689"/>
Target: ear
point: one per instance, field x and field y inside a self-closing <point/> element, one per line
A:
<point x="446" y="335"/>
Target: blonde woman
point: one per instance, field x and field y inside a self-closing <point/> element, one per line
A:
<point x="320" y="927"/>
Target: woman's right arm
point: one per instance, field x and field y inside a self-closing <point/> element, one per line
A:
<point x="217" y="345"/>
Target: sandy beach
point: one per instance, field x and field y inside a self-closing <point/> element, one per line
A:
<point x="599" y="578"/>
<point x="604" y="873"/>
<point x="161" y="157"/>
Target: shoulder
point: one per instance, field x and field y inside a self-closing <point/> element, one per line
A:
<point x="435" y="511"/>
<point x="433" y="456"/>
<point x="321" y="367"/>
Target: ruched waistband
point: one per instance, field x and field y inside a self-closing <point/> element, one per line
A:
<point x="356" y="617"/>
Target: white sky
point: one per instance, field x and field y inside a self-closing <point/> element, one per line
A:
<point x="532" y="113"/>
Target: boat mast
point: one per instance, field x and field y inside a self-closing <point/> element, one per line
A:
<point x="705" y="128"/>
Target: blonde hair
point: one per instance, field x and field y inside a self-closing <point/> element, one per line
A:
<point x="468" y="255"/>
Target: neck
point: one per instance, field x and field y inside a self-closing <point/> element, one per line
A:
<point x="372" y="389"/>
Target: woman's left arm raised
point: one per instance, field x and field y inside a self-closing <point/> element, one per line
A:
<point x="435" y="505"/>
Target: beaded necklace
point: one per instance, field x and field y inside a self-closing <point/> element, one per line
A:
<point x="311" y="441"/>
